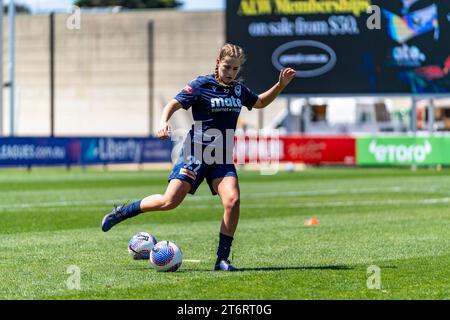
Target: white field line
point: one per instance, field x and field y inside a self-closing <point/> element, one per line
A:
<point x="253" y="195"/>
<point x="257" y="195"/>
<point x="333" y="204"/>
<point x="191" y="260"/>
<point x="24" y="194"/>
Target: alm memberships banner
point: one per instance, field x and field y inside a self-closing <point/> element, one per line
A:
<point x="403" y="151"/>
<point x="344" y="47"/>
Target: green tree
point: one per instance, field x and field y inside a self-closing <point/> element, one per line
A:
<point x="129" y="4"/>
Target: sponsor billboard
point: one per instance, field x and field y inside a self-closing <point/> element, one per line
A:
<point x="344" y="47"/>
<point x="82" y="151"/>
<point x="320" y="150"/>
<point x="403" y="151"/>
<point x="125" y="150"/>
<point x="299" y="149"/>
<point x="38" y="151"/>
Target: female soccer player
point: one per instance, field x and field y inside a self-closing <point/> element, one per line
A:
<point x="216" y="102"/>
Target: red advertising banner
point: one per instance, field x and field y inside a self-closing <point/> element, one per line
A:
<point x="337" y="150"/>
<point x="319" y="150"/>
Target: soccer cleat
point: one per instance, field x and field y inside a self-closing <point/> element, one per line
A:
<point x="225" y="265"/>
<point x="113" y="218"/>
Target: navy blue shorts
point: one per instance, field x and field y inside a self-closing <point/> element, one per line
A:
<point x="194" y="173"/>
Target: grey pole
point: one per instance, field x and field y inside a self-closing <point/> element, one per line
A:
<point x="1" y="68"/>
<point x="11" y="22"/>
<point x="151" y="86"/>
<point x="289" y="116"/>
<point x="430" y="107"/>
<point x="413" y="122"/>
<point x="52" y="74"/>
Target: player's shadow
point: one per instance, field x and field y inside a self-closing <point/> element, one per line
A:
<point x="297" y="268"/>
<point x="332" y="267"/>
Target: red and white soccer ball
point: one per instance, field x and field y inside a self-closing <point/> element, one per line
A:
<point x="140" y="245"/>
<point x="166" y="256"/>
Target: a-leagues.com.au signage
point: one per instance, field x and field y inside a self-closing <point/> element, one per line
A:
<point x="33" y="151"/>
<point x="403" y="151"/>
<point x="344" y="47"/>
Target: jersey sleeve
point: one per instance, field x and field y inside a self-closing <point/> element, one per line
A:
<point x="189" y="94"/>
<point x="249" y="98"/>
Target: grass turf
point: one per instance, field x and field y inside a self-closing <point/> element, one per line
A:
<point x="395" y="219"/>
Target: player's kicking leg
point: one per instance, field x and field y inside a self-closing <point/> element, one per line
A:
<point x="175" y="193"/>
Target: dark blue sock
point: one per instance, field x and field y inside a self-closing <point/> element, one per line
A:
<point x="132" y="209"/>
<point x="223" y="251"/>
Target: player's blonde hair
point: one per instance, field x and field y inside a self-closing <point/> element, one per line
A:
<point x="230" y="50"/>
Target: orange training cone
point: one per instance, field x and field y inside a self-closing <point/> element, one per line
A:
<point x="312" y="222"/>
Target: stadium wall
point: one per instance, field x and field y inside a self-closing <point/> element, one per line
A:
<point x="102" y="70"/>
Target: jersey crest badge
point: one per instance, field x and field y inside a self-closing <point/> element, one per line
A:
<point x="188" y="88"/>
<point x="237" y="90"/>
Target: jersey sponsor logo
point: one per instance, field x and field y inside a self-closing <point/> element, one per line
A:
<point x="188" y="88"/>
<point x="186" y="172"/>
<point x="226" y="102"/>
<point x="237" y="90"/>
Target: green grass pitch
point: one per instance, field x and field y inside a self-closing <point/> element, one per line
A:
<point x="396" y="220"/>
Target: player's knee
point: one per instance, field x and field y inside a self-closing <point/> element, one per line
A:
<point x="232" y="202"/>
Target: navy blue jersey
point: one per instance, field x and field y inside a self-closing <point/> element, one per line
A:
<point x="215" y="107"/>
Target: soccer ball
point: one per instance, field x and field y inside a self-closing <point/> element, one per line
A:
<point x="140" y="245"/>
<point x="166" y="256"/>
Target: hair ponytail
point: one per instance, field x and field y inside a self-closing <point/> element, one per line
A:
<point x="216" y="72"/>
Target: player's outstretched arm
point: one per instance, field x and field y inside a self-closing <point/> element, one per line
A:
<point x="164" y="128"/>
<point x="265" y="98"/>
